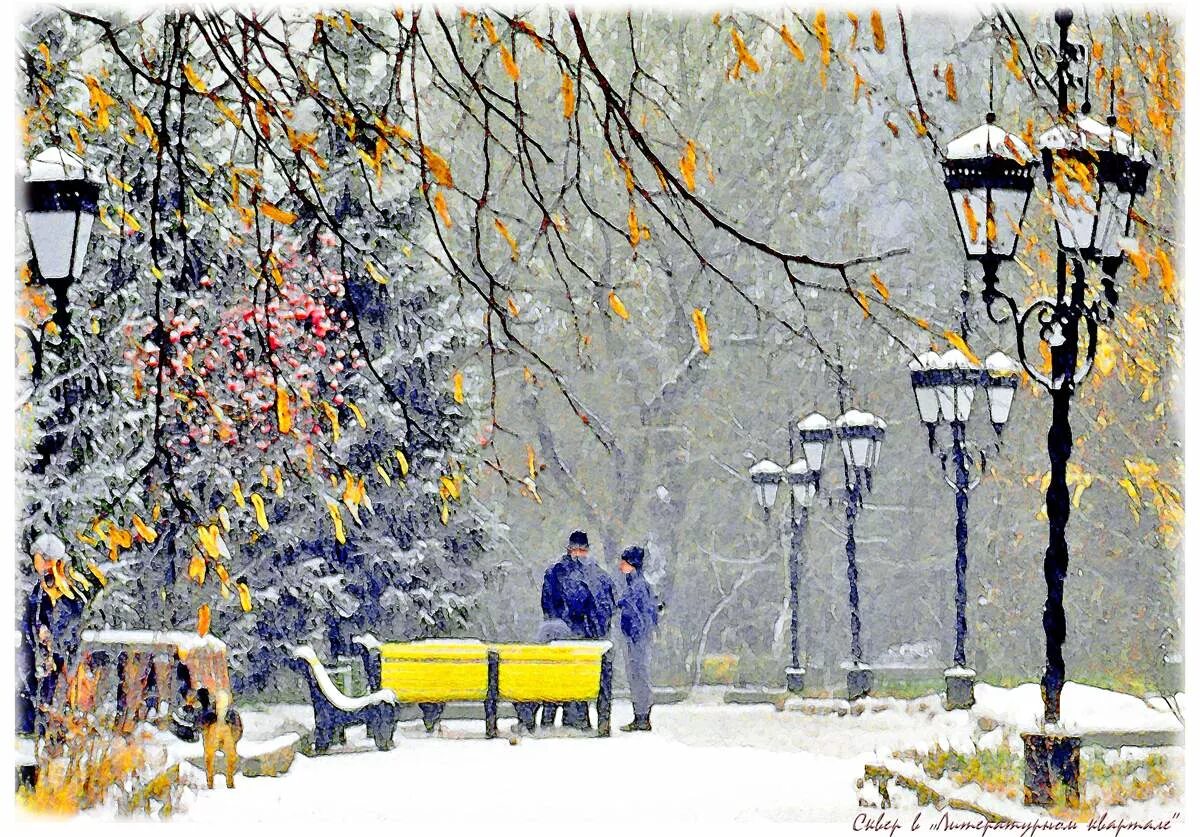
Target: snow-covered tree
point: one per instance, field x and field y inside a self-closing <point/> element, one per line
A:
<point x="260" y="434"/>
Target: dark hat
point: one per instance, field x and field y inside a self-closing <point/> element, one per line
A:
<point x="634" y="556"/>
<point x="578" y="540"/>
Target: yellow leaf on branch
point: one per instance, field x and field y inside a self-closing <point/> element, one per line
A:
<point x="439" y="205"/>
<point x="791" y="43"/>
<point x="618" y="307"/>
<point x="260" y="512"/>
<point x="331" y="414"/>
<point x="877" y="31"/>
<point x="237" y="495"/>
<point x="508" y="236"/>
<point x="957" y="342"/>
<point x="276" y="214"/>
<point x="438" y="167"/>
<point x="701" y="324"/>
<point x="208" y="540"/>
<point x="203" y="620"/>
<point x="147" y="534"/>
<point x="98" y="573"/>
<point x="687" y="166"/>
<point x="458" y="386"/>
<point x="510" y="65"/>
<point x="197" y="568"/>
<point x="951" y="84"/>
<point x="143" y="125"/>
<point x="339" y="530"/>
<point x="244" y="595"/>
<point x="358" y="416"/>
<point x="283" y="409"/>
<point x="194" y="79"/>
<point x="744" y="56"/>
<point x="403" y="461"/>
<point x="880" y="288"/>
<point x="375" y="273"/>
<point x="99" y="101"/>
<point x="568" y="96"/>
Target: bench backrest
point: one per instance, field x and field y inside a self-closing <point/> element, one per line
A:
<point x="440" y="670"/>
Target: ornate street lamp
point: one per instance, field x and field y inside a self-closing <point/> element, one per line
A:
<point x="944" y="386"/>
<point x="861" y="436"/>
<point x="765" y="476"/>
<point x="1095" y="174"/>
<point x="60" y="208"/>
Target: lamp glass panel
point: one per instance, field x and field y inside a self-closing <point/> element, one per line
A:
<point x="860" y="448"/>
<point x="1008" y="207"/>
<point x="999" y="403"/>
<point x="846" y="452"/>
<point x="51" y="234"/>
<point x="814" y="454"/>
<point x="876" y="447"/>
<point x="83" y="235"/>
<point x="971" y="207"/>
<point x="945" y="397"/>
<point x="1113" y="219"/>
<point x="769" y="491"/>
<point x="927" y="404"/>
<point x="964" y="394"/>
<point x="800" y="493"/>
<point x="1074" y="209"/>
<point x="760" y="494"/>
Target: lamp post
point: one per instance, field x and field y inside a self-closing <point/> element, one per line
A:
<point x="1095" y="173"/>
<point x="60" y="208"/>
<point x="766" y="477"/>
<point x="944" y="386"/>
<point x="861" y="436"/>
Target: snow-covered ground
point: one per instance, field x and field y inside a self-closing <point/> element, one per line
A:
<point x="712" y="763"/>
<point x="706" y="762"/>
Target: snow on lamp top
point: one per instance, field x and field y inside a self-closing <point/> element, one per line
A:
<point x="765" y="471"/>
<point x="955" y="359"/>
<point x="925" y="361"/>
<point x="1000" y="364"/>
<point x="1092" y="135"/>
<point x="55" y="163"/>
<point x="989" y="140"/>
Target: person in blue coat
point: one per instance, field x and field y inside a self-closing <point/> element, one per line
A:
<point x="50" y="635"/>
<point x="639" y="617"/>
<point x="577" y="591"/>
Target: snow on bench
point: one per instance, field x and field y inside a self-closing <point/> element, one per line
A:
<point x="334" y="711"/>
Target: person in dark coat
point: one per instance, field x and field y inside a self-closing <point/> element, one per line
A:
<point x="49" y="635"/>
<point x="577" y="591"/>
<point x="639" y="616"/>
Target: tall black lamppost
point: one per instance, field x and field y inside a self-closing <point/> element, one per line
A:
<point x="1094" y="173"/>
<point x="861" y="436"/>
<point x="766" y="477"/>
<point x="945" y="389"/>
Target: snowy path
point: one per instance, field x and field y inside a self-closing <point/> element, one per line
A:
<point x="701" y="763"/>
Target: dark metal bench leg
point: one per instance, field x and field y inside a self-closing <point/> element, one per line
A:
<point x="431" y="713"/>
<point x="604" y="697"/>
<point x="491" y="702"/>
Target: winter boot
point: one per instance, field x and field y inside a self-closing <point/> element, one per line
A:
<point x="640" y="723"/>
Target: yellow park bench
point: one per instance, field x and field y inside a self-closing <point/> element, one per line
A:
<point x="434" y="672"/>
